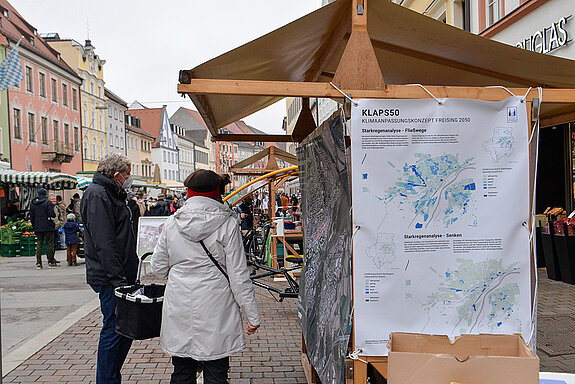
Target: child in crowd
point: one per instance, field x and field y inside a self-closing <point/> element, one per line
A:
<point x="71" y="228"/>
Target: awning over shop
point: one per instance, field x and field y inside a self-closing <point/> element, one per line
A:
<point x="170" y="184"/>
<point x="48" y="180"/>
<point x="83" y="182"/>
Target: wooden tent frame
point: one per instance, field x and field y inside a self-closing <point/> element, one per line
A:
<point x="359" y="76"/>
<point x="272" y="153"/>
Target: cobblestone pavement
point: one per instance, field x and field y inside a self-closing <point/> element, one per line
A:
<point x="555" y="298"/>
<point x="272" y="355"/>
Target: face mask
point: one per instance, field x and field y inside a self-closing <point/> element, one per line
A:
<point x="127" y="181"/>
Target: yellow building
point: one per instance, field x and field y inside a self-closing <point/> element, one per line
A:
<point x="83" y="60"/>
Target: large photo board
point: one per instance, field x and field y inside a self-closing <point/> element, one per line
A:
<point x="325" y="289"/>
<point x="440" y="201"/>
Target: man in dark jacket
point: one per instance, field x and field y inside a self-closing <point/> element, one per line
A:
<point x="42" y="218"/>
<point x="111" y="260"/>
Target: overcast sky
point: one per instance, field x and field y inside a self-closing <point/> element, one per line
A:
<point x="145" y="43"/>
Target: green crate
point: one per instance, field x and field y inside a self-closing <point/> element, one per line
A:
<point x="9" y="235"/>
<point x="9" y="250"/>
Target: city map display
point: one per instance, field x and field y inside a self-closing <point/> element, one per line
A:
<point x="440" y="193"/>
<point x="325" y="288"/>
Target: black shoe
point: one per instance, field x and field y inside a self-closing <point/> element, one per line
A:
<point x="52" y="265"/>
<point x="75" y="264"/>
<point x="56" y="261"/>
<point x="38" y="266"/>
<point x="69" y="263"/>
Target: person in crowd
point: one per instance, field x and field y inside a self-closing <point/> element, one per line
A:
<point x="246" y="209"/>
<point x="169" y="201"/>
<point x="285" y="202"/>
<point x="157" y="207"/>
<point x="74" y="206"/>
<point x="71" y="228"/>
<point x="265" y="203"/>
<point x="141" y="203"/>
<point x="190" y="333"/>
<point x="110" y="254"/>
<point x="10" y="211"/>
<point x="59" y="221"/>
<point x="42" y="214"/>
<point x="135" y="209"/>
<point x="163" y="207"/>
<point x="63" y="215"/>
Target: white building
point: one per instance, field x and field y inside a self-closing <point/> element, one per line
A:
<point x="186" y="150"/>
<point x="115" y="126"/>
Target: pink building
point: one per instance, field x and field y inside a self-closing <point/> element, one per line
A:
<point x="44" y="110"/>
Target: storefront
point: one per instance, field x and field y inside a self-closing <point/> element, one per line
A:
<point x="547" y="27"/>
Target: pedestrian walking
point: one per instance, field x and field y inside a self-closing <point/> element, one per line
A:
<point x="71" y="228"/>
<point x="74" y="206"/>
<point x="42" y="214"/>
<point x="110" y="254"/>
<point x="63" y="215"/>
<point x="190" y="333"/>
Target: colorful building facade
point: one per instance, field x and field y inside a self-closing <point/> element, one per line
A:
<point x="89" y="66"/>
<point x="44" y="115"/>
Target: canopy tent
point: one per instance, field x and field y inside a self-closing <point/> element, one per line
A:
<point x="409" y="48"/>
<point x="83" y="182"/>
<point x="48" y="180"/>
<point x="29" y="182"/>
<point x="272" y="153"/>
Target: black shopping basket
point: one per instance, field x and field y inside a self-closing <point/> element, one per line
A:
<point x="139" y="318"/>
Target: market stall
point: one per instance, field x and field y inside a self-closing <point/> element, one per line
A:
<point x="346" y="51"/>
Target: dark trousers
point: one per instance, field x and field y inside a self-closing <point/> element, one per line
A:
<point x="49" y="238"/>
<point x="112" y="347"/>
<point x="185" y="368"/>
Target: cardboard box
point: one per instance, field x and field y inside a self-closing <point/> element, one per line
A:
<point x="469" y="359"/>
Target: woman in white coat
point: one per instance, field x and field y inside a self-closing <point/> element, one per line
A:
<point x="201" y="318"/>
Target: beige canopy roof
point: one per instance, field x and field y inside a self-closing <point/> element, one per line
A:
<point x="410" y="48"/>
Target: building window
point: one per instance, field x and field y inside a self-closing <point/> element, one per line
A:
<point x="65" y="95"/>
<point x="44" y="129"/>
<point x="86" y="147"/>
<point x="67" y="134"/>
<point x="165" y="174"/>
<point x="94" y="148"/>
<point x="17" y="124"/>
<point x="31" y="128"/>
<point x="121" y="143"/>
<point x="75" y="99"/>
<point x="42" y="84"/>
<point x="56" y="129"/>
<point x="99" y="91"/>
<point x="92" y="88"/>
<point x="493" y="11"/>
<point x="76" y="138"/>
<point x="29" y="86"/>
<point x="54" y="91"/>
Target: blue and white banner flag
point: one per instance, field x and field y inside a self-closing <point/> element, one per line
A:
<point x="11" y="70"/>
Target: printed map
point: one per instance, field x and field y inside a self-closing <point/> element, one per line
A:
<point x="432" y="191"/>
<point x="500" y="145"/>
<point x="482" y="296"/>
<point x="383" y="251"/>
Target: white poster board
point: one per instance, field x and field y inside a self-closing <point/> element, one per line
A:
<point x="440" y="193"/>
<point x="149" y="230"/>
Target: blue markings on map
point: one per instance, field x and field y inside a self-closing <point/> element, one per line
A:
<point x="434" y="190"/>
<point x="364" y="176"/>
